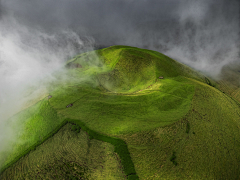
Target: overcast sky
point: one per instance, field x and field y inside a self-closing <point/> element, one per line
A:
<point x="200" y="33"/>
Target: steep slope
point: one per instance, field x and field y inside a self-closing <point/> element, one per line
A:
<point x="229" y="82"/>
<point x="204" y="144"/>
<point x="72" y="152"/>
<point x="178" y="127"/>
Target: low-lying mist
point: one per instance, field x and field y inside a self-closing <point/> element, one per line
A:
<point x="28" y="59"/>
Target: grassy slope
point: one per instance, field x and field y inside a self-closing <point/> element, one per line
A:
<point x="230" y="81"/>
<point x="209" y="151"/>
<point x="135" y="68"/>
<point x="153" y="121"/>
<point x="72" y="152"/>
<point x="37" y="121"/>
<point x="123" y="114"/>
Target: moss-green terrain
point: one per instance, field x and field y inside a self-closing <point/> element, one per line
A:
<point x="138" y="126"/>
<point x="230" y="81"/>
<point x="69" y="154"/>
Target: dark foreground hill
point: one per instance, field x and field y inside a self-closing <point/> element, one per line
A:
<point x="125" y="122"/>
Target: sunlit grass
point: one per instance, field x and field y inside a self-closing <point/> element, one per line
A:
<point x="180" y="113"/>
<point x="36" y="121"/>
<point x="115" y="114"/>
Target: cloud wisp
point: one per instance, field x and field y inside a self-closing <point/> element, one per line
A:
<point x="203" y="34"/>
<point x="28" y="58"/>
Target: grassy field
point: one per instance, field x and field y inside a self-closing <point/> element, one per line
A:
<point x="117" y="114"/>
<point x="70" y="152"/>
<point x="210" y="149"/>
<point x="178" y="127"/>
<point x="36" y="122"/>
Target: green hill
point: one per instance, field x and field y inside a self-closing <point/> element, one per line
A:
<point x="175" y="127"/>
<point x="230" y="81"/>
<point x="133" y="69"/>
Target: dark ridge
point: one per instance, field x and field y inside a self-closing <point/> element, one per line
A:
<point x="120" y="146"/>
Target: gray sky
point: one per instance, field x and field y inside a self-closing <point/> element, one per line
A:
<point x="200" y="33"/>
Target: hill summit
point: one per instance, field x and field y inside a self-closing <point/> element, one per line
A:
<point x="145" y="116"/>
<point x="132" y="69"/>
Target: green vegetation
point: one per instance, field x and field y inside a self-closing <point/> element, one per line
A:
<point x="209" y="82"/>
<point x="40" y="121"/>
<point x="68" y="155"/>
<point x="120" y="146"/>
<point x="75" y="128"/>
<point x="208" y="154"/>
<point x="134" y="69"/>
<point x="118" y="99"/>
<point x="134" y="112"/>
<point x="230" y="81"/>
<point x="173" y="158"/>
<point x="188" y="127"/>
